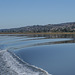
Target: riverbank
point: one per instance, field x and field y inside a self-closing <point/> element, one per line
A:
<point x="43" y="33"/>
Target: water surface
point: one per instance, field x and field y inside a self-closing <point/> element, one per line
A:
<point x="53" y="53"/>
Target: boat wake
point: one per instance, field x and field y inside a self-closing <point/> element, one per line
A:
<point x="12" y="65"/>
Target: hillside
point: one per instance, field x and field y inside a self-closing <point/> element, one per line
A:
<point x="63" y="27"/>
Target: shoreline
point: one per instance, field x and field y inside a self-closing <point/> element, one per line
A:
<point x="43" y="33"/>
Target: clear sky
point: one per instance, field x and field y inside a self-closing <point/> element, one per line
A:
<point x="19" y="13"/>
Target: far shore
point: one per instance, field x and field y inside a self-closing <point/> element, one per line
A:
<point x="43" y="33"/>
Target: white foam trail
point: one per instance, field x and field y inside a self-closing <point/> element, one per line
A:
<point x="20" y="68"/>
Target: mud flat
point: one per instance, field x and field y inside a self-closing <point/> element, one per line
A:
<point x="10" y="64"/>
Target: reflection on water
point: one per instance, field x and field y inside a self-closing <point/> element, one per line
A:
<point x="54" y="53"/>
<point x="54" y="35"/>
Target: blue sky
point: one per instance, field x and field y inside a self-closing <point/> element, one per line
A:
<point x="19" y="13"/>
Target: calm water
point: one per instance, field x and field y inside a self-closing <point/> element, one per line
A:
<point x="53" y="53"/>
